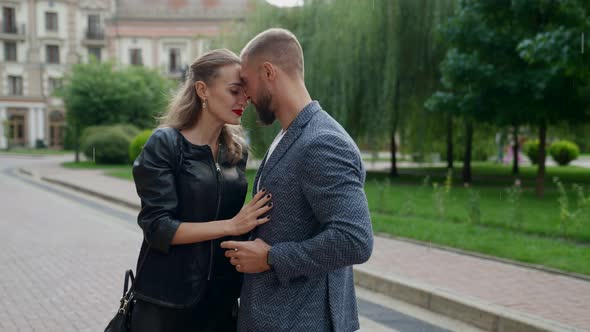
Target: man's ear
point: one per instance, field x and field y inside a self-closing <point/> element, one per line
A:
<point x="202" y="91"/>
<point x="269" y="71"/>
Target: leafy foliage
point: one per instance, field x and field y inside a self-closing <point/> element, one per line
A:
<point x="137" y="144"/>
<point x="108" y="146"/>
<point x="517" y="62"/>
<point x="98" y="94"/>
<point x="564" y="152"/>
<point x="531" y="149"/>
<point x="129" y="131"/>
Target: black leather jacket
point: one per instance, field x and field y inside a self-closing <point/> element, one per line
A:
<point x="178" y="181"/>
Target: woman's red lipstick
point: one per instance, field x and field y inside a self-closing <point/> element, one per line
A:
<point x="238" y="111"/>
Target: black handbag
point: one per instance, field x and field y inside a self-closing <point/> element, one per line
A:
<point x="122" y="320"/>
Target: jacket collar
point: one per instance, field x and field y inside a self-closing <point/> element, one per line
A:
<point x="290" y="137"/>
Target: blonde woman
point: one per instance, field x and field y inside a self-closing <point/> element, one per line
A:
<point x="191" y="180"/>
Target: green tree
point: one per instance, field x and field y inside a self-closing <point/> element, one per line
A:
<point x="516" y="60"/>
<point x="98" y="94"/>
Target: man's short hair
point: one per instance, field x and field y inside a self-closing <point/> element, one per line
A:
<point x="277" y="46"/>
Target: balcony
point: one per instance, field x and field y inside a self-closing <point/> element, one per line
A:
<point x="12" y="31"/>
<point x="94" y="37"/>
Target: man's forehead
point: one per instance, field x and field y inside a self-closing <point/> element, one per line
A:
<point x="244" y="72"/>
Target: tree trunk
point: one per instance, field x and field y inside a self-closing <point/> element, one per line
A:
<point x="393" y="172"/>
<point x="542" y="156"/>
<point x="450" y="142"/>
<point x="515" y="149"/>
<point x="77" y="143"/>
<point x="467" y="156"/>
<point x="393" y="147"/>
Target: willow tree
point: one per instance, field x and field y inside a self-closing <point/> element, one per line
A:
<point x="414" y="55"/>
<point x="370" y="63"/>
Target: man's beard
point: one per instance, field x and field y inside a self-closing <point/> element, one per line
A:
<point x="266" y="116"/>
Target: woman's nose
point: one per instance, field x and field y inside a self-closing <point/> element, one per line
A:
<point x="244" y="100"/>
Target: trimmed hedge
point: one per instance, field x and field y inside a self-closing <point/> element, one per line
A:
<point x="137" y="144"/>
<point x="531" y="149"/>
<point x="564" y="152"/>
<point x="129" y="131"/>
<point x="108" y="144"/>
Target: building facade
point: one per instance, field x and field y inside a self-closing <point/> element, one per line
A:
<point x="42" y="39"/>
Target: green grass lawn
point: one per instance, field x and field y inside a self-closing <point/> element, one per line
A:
<point x="92" y="165"/>
<point x="405" y="207"/>
<point x="118" y="171"/>
<point x="40" y="152"/>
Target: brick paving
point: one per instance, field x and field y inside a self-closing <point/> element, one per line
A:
<point x="550" y="296"/>
<point x="54" y="272"/>
<point x="61" y="264"/>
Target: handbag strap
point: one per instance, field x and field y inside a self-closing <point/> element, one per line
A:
<point x="129" y="273"/>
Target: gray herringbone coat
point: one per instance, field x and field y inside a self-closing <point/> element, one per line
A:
<point x="320" y="227"/>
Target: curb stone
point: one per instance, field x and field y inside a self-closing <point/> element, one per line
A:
<point x="482" y="315"/>
<point x="83" y="190"/>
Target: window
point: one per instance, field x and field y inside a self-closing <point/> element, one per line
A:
<point x="10" y="51"/>
<point x="52" y="54"/>
<point x="51" y="21"/>
<point x="174" y="60"/>
<point x="8" y="20"/>
<point x="135" y="57"/>
<point x="94" y="31"/>
<point x="15" y="85"/>
<point x="54" y="83"/>
<point x="94" y="52"/>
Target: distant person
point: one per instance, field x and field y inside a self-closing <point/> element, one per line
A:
<point x="191" y="179"/>
<point x="500" y="142"/>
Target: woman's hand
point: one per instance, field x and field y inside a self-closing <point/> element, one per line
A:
<point x="249" y="216"/>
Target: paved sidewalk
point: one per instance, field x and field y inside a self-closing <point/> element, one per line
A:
<point x="537" y="295"/>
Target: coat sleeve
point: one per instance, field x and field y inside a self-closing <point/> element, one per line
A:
<point x="333" y="184"/>
<point x="153" y="173"/>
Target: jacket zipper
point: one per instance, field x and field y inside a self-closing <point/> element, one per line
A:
<point x="218" y="175"/>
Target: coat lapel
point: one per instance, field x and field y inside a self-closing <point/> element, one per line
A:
<point x="290" y="137"/>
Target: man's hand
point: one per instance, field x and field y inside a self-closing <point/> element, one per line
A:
<point x="247" y="256"/>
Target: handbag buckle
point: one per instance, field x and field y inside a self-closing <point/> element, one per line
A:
<point x="124" y="305"/>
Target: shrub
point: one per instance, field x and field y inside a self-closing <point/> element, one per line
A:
<point x="563" y="152"/>
<point x="531" y="149"/>
<point x="108" y="146"/>
<point x="129" y="131"/>
<point x="138" y="143"/>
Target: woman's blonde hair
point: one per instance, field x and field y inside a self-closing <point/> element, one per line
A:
<point x="185" y="107"/>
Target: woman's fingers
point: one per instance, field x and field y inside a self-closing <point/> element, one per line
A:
<point x="258" y="196"/>
<point x="249" y="216"/>
<point x="262" y="201"/>
<point x="262" y="210"/>
<point x="264" y="220"/>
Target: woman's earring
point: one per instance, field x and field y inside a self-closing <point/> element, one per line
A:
<point x="204" y="104"/>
